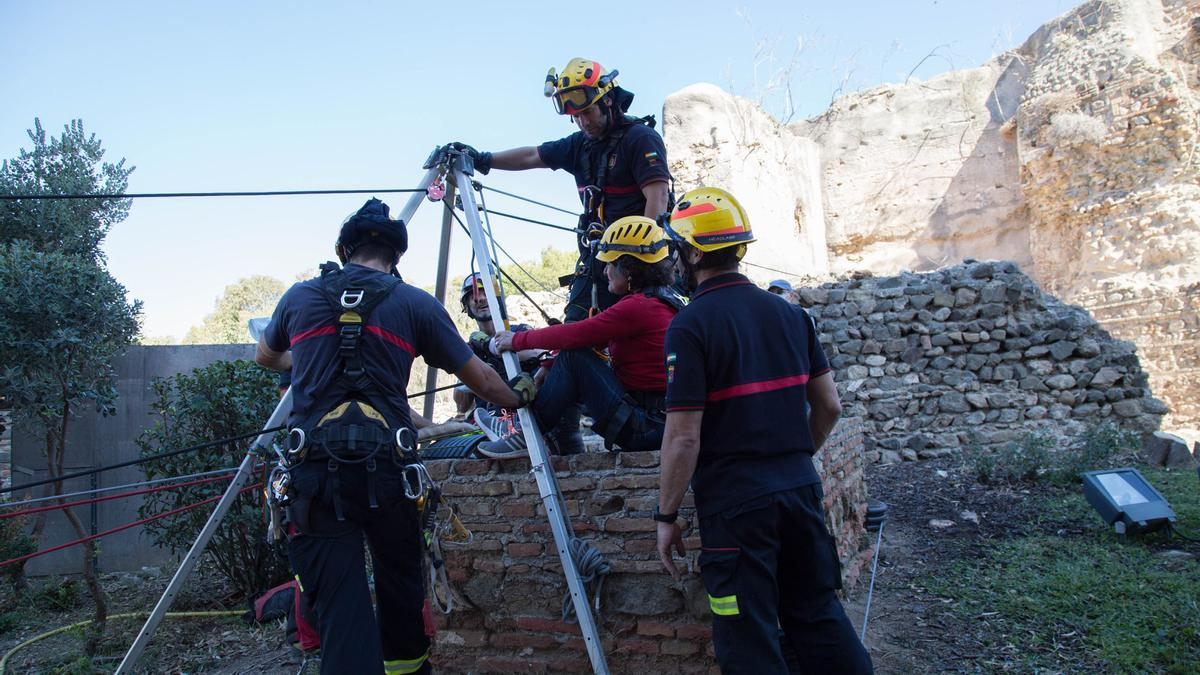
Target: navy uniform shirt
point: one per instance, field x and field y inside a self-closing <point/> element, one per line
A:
<point x="743" y="356"/>
<point x="640" y="159"/>
<point x="407" y="324"/>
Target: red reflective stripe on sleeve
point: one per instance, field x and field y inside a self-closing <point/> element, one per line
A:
<point x="313" y="332"/>
<point x="392" y="338"/>
<point x="684" y="408"/>
<point x="820" y="373"/>
<point x="757" y="387"/>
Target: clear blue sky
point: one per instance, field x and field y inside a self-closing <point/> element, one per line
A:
<point x="207" y="96"/>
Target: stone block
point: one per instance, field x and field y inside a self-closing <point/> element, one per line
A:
<point x="1158" y="446"/>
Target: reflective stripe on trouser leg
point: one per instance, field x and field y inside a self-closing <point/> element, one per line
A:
<point x="724" y="606"/>
<point x="402" y="666"/>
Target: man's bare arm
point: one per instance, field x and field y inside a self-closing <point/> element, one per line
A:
<point x="656" y="199"/>
<point x="269" y="358"/>
<point x="518" y="159"/>
<point x="824" y="408"/>
<point x="487" y="384"/>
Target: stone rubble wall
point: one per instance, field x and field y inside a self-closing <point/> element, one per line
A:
<point x="972" y="353"/>
<point x="509" y="583"/>
<point x="1076" y="156"/>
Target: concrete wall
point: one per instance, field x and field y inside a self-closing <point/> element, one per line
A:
<point x="93" y="440"/>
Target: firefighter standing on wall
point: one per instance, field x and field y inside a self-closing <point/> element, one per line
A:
<point x="741" y="363"/>
<point x="350" y="337"/>
<point x="619" y="163"/>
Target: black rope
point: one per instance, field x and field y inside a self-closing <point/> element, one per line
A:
<point x="267" y="193"/>
<point x="507" y="255"/>
<point x="535" y="222"/>
<point x="764" y="267"/>
<point x="431" y="391"/>
<point x="142" y="460"/>
<point x="527" y="199"/>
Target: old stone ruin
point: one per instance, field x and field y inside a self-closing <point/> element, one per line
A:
<point x="974" y="353"/>
<point x="1073" y="156"/>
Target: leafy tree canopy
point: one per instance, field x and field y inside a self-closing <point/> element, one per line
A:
<point x="68" y="164"/>
<point x="244" y="300"/>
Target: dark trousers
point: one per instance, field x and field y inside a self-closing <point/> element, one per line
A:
<point x="770" y="562"/>
<point x="580" y="376"/>
<point x="329" y="559"/>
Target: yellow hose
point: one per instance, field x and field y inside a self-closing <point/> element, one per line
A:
<point x="126" y="615"/>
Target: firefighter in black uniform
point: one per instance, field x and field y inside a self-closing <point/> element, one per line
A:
<point x="619" y="163"/>
<point x="350" y="337"/>
<point x="741" y="363"/>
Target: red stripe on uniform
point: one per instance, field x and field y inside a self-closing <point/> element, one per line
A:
<point x="757" y="387"/>
<point x="313" y="332"/>
<point x="392" y="338"/>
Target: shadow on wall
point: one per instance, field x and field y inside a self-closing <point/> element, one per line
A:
<point x="975" y="217"/>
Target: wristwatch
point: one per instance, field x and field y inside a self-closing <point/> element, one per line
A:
<point x="665" y="517"/>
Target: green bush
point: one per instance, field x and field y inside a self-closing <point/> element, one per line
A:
<point x="227" y="398"/>
<point x="1021" y="460"/>
<point x="14" y="543"/>
<point x="1098" y="445"/>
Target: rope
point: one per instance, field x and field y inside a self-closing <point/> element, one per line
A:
<point x="592" y="567"/>
<point x="85" y="502"/>
<point x="265" y="193"/>
<point x="527" y="199"/>
<point x="83" y="493"/>
<point x="120" y="528"/>
<point x="143" y="460"/>
<point x="507" y="255"/>
<point x="431" y="391"/>
<point x="772" y="269"/>
<point x="85" y="622"/>
<point x="531" y="220"/>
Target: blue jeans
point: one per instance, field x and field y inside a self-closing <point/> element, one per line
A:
<point x="579" y="375"/>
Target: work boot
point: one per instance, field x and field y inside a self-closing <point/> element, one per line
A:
<point x="565" y="436"/>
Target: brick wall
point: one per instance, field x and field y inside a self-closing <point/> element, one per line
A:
<point x="509" y="585"/>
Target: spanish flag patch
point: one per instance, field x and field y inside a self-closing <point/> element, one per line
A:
<point x="651" y="158"/>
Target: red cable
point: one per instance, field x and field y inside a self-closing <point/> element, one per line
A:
<point x="84" y="502"/>
<point x="121" y="527"/>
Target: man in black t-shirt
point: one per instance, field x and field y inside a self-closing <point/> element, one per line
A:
<point x="742" y="363"/>
<point x="619" y="163"/>
<point x="350" y="338"/>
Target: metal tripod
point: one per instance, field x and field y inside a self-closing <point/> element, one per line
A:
<point x="457" y="168"/>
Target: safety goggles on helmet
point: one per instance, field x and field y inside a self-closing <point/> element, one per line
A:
<point x="636" y="236"/>
<point x="581" y="84"/>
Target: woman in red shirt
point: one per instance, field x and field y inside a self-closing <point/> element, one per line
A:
<point x="625" y="396"/>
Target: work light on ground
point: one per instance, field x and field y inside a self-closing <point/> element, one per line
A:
<point x="1126" y="501"/>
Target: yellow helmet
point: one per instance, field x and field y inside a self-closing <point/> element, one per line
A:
<point x="581" y="84"/>
<point x="710" y="219"/>
<point x="637" y="236"/>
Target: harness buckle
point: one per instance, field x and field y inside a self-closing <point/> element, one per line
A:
<point x="351" y="297"/>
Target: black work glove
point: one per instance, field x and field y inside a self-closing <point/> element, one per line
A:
<point x="525" y="388"/>
<point x="479" y="344"/>
<point x="482" y="160"/>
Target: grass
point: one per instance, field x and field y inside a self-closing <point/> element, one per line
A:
<point x="1088" y="602"/>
